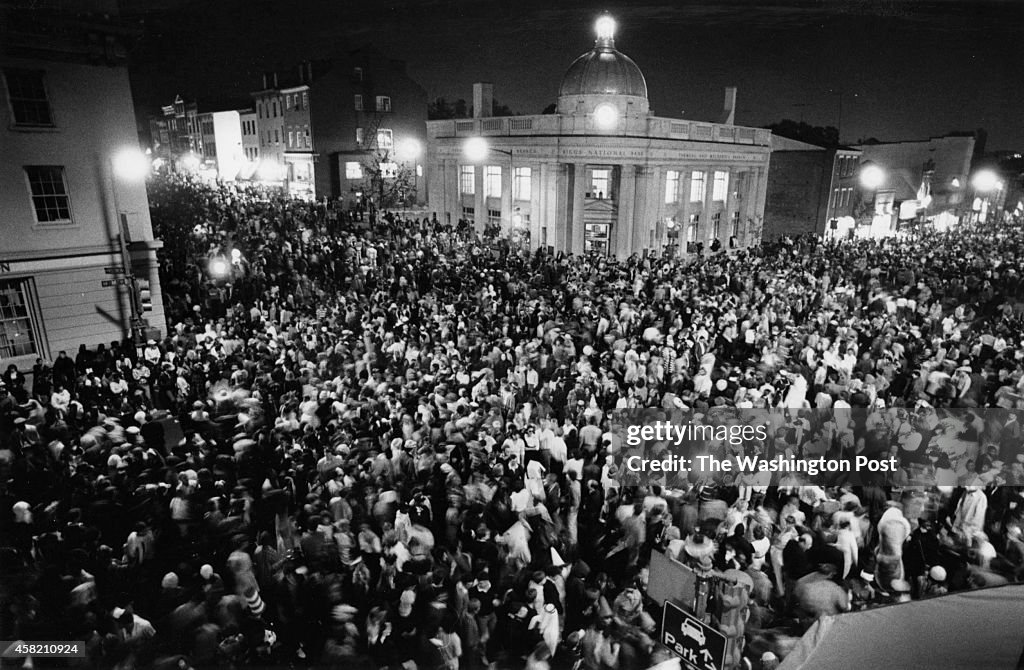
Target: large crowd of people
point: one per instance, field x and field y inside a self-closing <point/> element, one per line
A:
<point x="385" y="442"/>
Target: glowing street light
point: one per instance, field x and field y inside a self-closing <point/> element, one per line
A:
<point x="606" y="116"/>
<point x="410" y="149"/>
<point x="985" y="181"/>
<point x="236" y="256"/>
<point x="475" y="149"/>
<point x="871" y="177"/>
<point x="219" y="268"/>
<point x="130" y="164"/>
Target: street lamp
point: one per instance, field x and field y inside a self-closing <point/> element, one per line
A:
<point x="410" y="149"/>
<point x="475" y="150"/>
<point x="130" y="164"/>
<point x="872" y="176"/>
<point x="985" y="181"/>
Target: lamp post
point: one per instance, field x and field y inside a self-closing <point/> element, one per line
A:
<point x="986" y="182"/>
<point x="129" y="165"/>
<point x="872" y="177"/>
<point x="476" y="149"/>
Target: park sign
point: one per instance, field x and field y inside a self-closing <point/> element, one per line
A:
<point x="700" y="646"/>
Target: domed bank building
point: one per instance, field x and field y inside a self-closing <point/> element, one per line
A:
<point x="603" y="174"/>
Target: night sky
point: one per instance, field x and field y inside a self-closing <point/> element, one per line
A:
<point x="907" y="69"/>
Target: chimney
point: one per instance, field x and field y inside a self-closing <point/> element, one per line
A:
<point x="483" y="100"/>
<point x="265" y="87"/>
<point x="729" y="111"/>
<point x="275" y="80"/>
<point x="302" y="73"/>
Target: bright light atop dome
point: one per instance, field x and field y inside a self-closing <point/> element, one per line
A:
<point x="475" y="149"/>
<point x="606" y="116"/>
<point x="605" y="28"/>
<point x="871" y="177"/>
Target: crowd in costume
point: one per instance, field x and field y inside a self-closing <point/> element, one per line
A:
<point x="386" y="442"/>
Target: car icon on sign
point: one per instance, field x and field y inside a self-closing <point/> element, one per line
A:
<point x="693" y="631"/>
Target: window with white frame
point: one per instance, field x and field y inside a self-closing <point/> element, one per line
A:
<point x="522" y="184"/>
<point x="383" y="103"/>
<point x="721" y="188"/>
<point x="467" y="179"/>
<point x="27" y="95"/>
<point x="305" y="100"/>
<point x="698" y="184"/>
<point x="671" y="187"/>
<point x="600" y="183"/>
<point x="691" y="228"/>
<point x="385" y="139"/>
<point x="291" y="139"/>
<point x="49" y="193"/>
<point x="357" y="101"/>
<point x="17" y="335"/>
<point x="353" y="170"/>
<point x="492" y="181"/>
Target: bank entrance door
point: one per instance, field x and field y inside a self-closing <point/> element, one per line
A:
<point x="596" y="238"/>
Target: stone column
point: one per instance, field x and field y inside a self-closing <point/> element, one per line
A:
<point x="626" y="195"/>
<point x="479" y="199"/>
<point x="656" y="210"/>
<point x="574" y="234"/>
<point x="709" y="203"/>
<point x="507" y="172"/>
<point x="642" y="217"/>
<point x="559" y="226"/>
<point x="538" y="198"/>
<point x="730" y="203"/>
<point x="687" y="209"/>
<point x="762" y="193"/>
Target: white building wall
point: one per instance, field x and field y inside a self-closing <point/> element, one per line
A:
<point x="61" y="266"/>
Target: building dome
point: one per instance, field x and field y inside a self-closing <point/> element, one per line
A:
<point x="604" y="70"/>
<point x="603" y="77"/>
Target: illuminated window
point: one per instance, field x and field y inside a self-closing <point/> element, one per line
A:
<point x="691" y="228"/>
<point x="385" y="139"/>
<point x="671" y="187"/>
<point x="353" y="170"/>
<point x="357" y="73"/>
<point x="467" y="179"/>
<point x="600" y="180"/>
<point x="698" y="183"/>
<point x="721" y="186"/>
<point x="492" y="181"/>
<point x="359" y="136"/>
<point x="291" y="139"/>
<point x="28" y="97"/>
<point x="383" y="103"/>
<point x="358" y="100"/>
<point x="522" y="185"/>
<point x="49" y="193"/>
<point x="419" y="170"/>
<point x="305" y="100"/>
<point x="17" y="336"/>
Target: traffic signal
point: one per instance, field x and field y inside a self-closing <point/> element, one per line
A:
<point x="145" y="296"/>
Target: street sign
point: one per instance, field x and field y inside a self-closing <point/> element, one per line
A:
<point x="114" y="270"/>
<point x="120" y="281"/>
<point x="700" y="646"/>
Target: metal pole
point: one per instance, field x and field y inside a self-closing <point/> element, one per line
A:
<point x="121" y="222"/>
